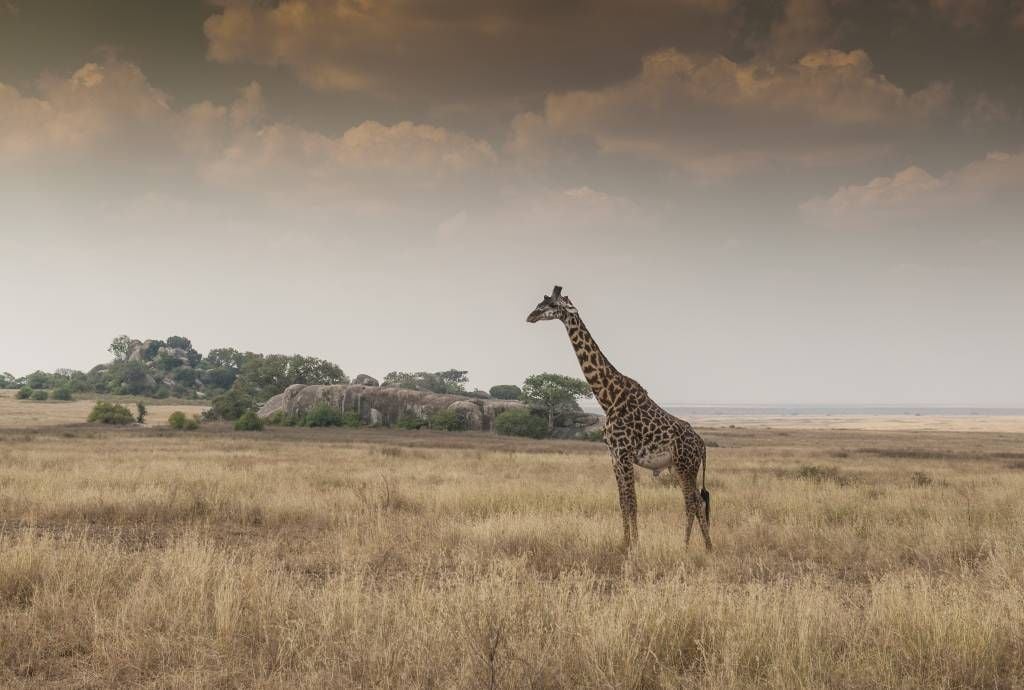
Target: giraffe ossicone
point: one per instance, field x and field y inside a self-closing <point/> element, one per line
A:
<point x="637" y="430"/>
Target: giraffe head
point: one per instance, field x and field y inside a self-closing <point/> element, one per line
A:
<point x="555" y="306"/>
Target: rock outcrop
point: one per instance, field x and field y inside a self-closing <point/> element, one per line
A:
<point x="365" y="380"/>
<point x="386" y="405"/>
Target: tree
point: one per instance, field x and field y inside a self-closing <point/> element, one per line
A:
<point x="7" y="380"/>
<point x="132" y="378"/>
<point x="39" y="379"/>
<point x="227" y="358"/>
<point x="520" y="422"/>
<point x="555" y="394"/>
<point x="179" y="342"/>
<point x="120" y="347"/>
<point x="450" y="381"/>
<point x="506" y="392"/>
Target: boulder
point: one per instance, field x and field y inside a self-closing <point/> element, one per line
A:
<point x="365" y="380"/>
<point x="470" y="413"/>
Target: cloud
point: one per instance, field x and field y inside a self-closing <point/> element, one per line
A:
<point x="457" y="49"/>
<point x="978" y="190"/>
<point x="718" y="117"/>
<point x="97" y="105"/>
<point x="963" y="13"/>
<point x="109" y="118"/>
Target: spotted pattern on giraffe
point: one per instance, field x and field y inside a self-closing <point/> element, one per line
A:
<point x="637" y="430"/>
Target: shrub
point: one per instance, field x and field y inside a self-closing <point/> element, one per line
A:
<point x="506" y="392"/>
<point x="596" y="436"/>
<point x="62" y="393"/>
<point x="140" y="408"/>
<point x="249" y="422"/>
<point x="411" y="422"/>
<point x="324" y="415"/>
<point x="447" y="420"/>
<point x="279" y="418"/>
<point x="179" y="421"/>
<point x="231" y="405"/>
<point x="520" y="423"/>
<point x="40" y="395"/>
<point x="351" y="419"/>
<point x="110" y="413"/>
<point x="24" y="393"/>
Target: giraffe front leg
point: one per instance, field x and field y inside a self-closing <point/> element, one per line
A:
<point x="627" y="499"/>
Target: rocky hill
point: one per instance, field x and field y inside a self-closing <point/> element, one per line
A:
<point x="386" y="405"/>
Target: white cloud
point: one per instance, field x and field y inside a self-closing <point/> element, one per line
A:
<point x="109" y="118"/>
<point x="977" y="189"/>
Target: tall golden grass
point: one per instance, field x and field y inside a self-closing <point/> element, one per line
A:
<point x="353" y="558"/>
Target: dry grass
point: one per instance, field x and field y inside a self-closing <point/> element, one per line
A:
<point x="353" y="558"/>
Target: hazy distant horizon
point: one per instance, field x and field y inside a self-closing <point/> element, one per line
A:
<point x="797" y="200"/>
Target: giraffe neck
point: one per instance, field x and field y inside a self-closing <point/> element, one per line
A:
<point x="598" y="371"/>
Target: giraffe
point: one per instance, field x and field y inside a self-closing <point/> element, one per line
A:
<point x="637" y="431"/>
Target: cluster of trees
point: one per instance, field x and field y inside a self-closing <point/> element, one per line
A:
<point x="236" y="382"/>
<point x="451" y="381"/>
<point x="173" y="367"/>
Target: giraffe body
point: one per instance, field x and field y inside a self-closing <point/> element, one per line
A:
<point x="637" y="430"/>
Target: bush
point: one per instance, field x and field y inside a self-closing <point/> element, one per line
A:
<point x="179" y="421"/>
<point x="411" y="422"/>
<point x="506" y="392"/>
<point x="62" y="393"/>
<point x="249" y="422"/>
<point x="279" y="418"/>
<point x="140" y="408"/>
<point x="231" y="405"/>
<point x="351" y="419"/>
<point x="447" y="420"/>
<point x="520" y="423"/>
<point x="110" y="413"/>
<point x="324" y="415"/>
<point x="40" y="395"/>
<point x="24" y="393"/>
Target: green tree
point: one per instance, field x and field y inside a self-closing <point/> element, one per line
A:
<point x="131" y="378"/>
<point x="227" y="357"/>
<point x="179" y="342"/>
<point x="450" y="381"/>
<point x="555" y="394"/>
<point x="62" y="392"/>
<point x="231" y="405"/>
<point x="520" y="422"/>
<point x="39" y="379"/>
<point x="24" y="393"/>
<point x="140" y="407"/>
<point x="506" y="392"/>
<point x="120" y="347"/>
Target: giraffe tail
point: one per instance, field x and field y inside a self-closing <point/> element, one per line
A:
<point x="704" y="495"/>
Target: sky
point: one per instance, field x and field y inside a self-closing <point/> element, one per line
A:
<point x="798" y="201"/>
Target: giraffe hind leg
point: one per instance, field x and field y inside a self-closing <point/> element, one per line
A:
<point x="695" y="508"/>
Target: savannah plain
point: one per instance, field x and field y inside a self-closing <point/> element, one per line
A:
<point x="295" y="557"/>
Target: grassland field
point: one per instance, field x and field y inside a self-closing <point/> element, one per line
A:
<point x="145" y="557"/>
